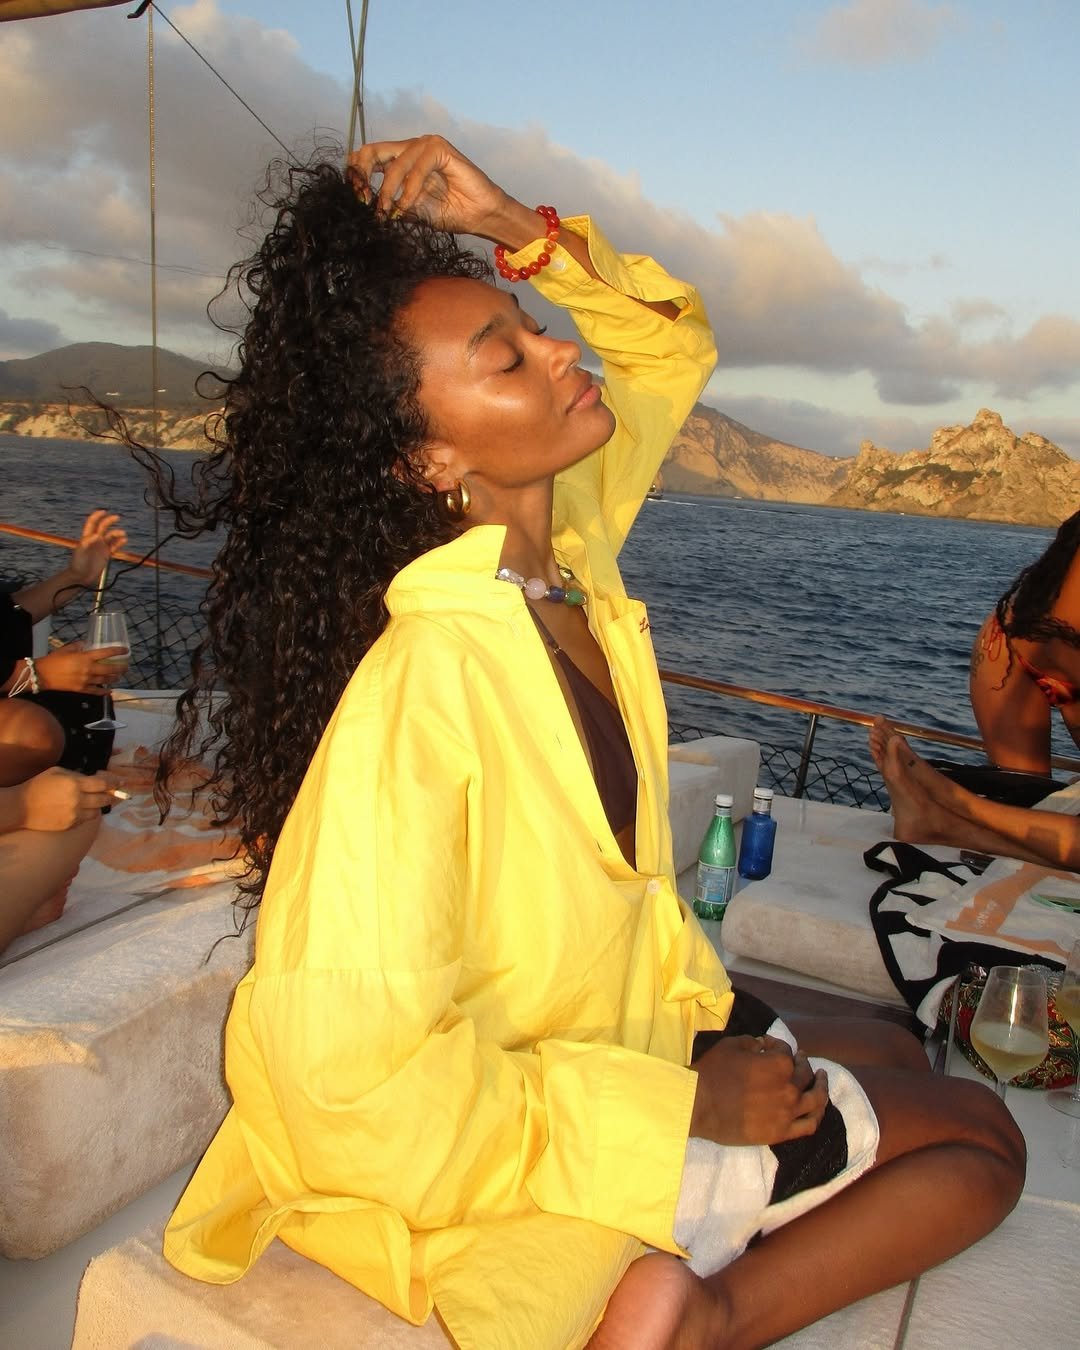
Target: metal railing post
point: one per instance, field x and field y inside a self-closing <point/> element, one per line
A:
<point x="804" y="759"/>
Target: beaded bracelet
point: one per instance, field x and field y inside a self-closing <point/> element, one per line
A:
<point x="551" y="216"/>
<point x="27" y="680"/>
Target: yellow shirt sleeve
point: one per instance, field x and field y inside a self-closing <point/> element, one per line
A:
<point x="654" y="368"/>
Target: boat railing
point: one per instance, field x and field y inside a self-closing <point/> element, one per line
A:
<point x="164" y="633"/>
<point x="803" y="770"/>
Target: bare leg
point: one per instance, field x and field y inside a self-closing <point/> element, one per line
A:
<point x="929" y="808"/>
<point x="31" y="740"/>
<point x="35" y="866"/>
<point x="859" y="1042"/>
<point x="950" y="1167"/>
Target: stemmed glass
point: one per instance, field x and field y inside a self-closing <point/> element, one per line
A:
<point x="1067" y="1001"/>
<point x="1009" y="1029"/>
<point x="108" y="628"/>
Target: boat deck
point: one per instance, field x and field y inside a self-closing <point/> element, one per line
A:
<point x="1017" y="1286"/>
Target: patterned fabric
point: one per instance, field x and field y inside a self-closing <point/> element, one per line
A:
<point x="923" y="964"/>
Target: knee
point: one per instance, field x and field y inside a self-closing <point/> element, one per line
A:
<point x="998" y="1133"/>
<point x="30" y="737"/>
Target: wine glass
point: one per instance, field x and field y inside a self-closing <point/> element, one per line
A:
<point x="1067" y="1001"/>
<point x="108" y="628"/>
<point x="1009" y="1029"/>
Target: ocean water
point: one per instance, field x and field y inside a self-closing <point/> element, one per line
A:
<point x="863" y="610"/>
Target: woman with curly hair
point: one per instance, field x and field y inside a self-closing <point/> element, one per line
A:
<point x="460" y="1062"/>
<point x="1025" y="661"/>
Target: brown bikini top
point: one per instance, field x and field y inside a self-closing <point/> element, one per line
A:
<point x="605" y="736"/>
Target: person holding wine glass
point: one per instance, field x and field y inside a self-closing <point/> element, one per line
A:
<point x="50" y="815"/>
<point x="467" y="1066"/>
<point x="70" y="667"/>
<point x="67" y="680"/>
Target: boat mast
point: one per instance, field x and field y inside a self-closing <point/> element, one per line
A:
<point x="356" y="46"/>
<point x="147" y="8"/>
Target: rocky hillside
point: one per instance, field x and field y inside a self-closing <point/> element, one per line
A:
<point x="116" y="373"/>
<point x="716" y="456"/>
<point x="982" y="471"/>
<point x="179" y="428"/>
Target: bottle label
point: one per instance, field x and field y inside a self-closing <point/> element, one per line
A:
<point x="714" y="889"/>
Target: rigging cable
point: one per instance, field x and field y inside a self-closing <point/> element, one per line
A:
<point x="149" y="4"/>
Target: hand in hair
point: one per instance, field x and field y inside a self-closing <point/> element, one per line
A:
<point x="428" y="177"/>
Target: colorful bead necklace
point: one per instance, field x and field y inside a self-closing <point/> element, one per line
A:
<point x="536" y="588"/>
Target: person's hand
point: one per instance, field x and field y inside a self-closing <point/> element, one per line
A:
<point x="82" y="672"/>
<point x="752" y="1090"/>
<point x="101" y="538"/>
<point x="428" y="177"/>
<point x="58" y="800"/>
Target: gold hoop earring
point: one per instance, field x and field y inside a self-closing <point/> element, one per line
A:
<point x="457" y="501"/>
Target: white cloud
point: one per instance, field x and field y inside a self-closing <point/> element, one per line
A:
<point x="26" y="337"/>
<point x="73" y="195"/>
<point x="74" y="161"/>
<point x="873" y="33"/>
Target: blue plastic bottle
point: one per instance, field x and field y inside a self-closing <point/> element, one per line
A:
<point x="758" y="837"/>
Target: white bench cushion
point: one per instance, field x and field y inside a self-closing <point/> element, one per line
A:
<point x="812" y="913"/>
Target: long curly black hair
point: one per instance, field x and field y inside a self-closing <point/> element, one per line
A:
<point x="313" y="476"/>
<point x="1024" y="611"/>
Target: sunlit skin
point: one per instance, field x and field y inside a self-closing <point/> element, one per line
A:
<point x="929" y="808"/>
<point x="508" y="408"/>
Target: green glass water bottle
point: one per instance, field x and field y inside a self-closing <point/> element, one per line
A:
<point x="716" y="863"/>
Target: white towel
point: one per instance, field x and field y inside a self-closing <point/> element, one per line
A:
<point x="724" y="1197"/>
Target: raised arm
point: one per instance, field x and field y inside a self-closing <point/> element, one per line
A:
<point x="101" y="538"/>
<point x="429" y="177"/>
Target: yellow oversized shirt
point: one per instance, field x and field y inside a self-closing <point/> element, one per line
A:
<point x="458" y="1062"/>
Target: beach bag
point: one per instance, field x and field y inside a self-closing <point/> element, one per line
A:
<point x="935" y="921"/>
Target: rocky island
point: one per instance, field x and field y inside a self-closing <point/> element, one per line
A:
<point x="982" y="471"/>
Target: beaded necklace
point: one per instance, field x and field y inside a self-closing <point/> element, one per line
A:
<point x="536" y="588"/>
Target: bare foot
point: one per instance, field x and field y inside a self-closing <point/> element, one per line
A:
<point x="880" y="732"/>
<point x="47" y="912"/>
<point x="916" y="815"/>
<point x="660" y="1304"/>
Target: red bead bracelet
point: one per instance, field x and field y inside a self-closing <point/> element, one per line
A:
<point x="551" y="216"/>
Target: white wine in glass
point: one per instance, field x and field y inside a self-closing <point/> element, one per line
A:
<point x="108" y="628"/>
<point x="1009" y="1029"/>
<point x="1067" y="1002"/>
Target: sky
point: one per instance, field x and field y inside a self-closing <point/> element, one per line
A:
<point x="878" y="199"/>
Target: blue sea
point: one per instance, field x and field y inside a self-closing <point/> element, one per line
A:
<point x="863" y="610"/>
